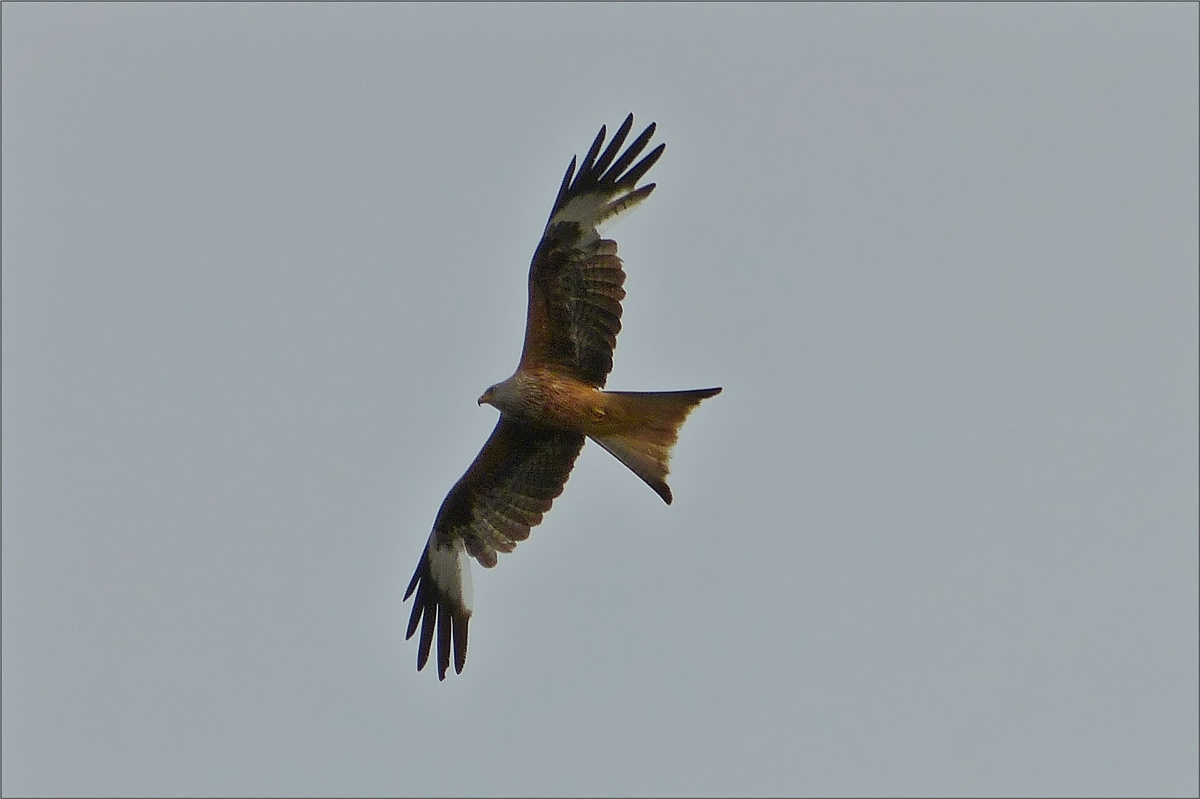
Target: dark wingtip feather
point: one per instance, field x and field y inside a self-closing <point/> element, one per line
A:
<point x="414" y="618"/>
<point x="419" y="604"/>
<point x="566" y="184"/>
<point x="585" y="167"/>
<point x="412" y="585"/>
<point x="443" y="613"/>
<point x="428" y="621"/>
<point x="613" y="148"/>
<point x="635" y="174"/>
<point x="460" y="642"/>
<point x="613" y="174"/>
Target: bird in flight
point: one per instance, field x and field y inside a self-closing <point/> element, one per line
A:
<point x="554" y="400"/>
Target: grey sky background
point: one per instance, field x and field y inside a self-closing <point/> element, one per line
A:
<point x="937" y="536"/>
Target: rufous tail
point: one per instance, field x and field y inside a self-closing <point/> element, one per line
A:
<point x="646" y="426"/>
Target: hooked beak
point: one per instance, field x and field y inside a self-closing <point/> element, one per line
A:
<point x="485" y="397"/>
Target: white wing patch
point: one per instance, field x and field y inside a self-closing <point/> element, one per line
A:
<point x="589" y="211"/>
<point x="450" y="567"/>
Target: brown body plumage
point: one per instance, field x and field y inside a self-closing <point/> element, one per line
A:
<point x="555" y="399"/>
<point x="639" y="428"/>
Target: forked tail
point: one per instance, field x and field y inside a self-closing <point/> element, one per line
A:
<point x="646" y="425"/>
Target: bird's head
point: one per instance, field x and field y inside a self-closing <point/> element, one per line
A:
<point x="505" y="396"/>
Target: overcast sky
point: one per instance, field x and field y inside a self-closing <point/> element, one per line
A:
<point x="937" y="536"/>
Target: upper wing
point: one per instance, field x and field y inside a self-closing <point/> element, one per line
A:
<point x="503" y="494"/>
<point x="575" y="279"/>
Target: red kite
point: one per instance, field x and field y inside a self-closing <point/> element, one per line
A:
<point x="553" y="401"/>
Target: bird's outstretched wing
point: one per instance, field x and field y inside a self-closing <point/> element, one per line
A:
<point x="575" y="293"/>
<point x="503" y="494"/>
<point x="575" y="280"/>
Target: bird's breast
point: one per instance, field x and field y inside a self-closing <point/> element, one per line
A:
<point x="547" y="399"/>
